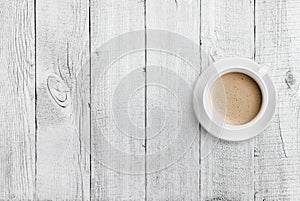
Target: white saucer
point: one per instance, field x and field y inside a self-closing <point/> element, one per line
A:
<point x="231" y="132"/>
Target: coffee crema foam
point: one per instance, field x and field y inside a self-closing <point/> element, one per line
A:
<point x="236" y="98"/>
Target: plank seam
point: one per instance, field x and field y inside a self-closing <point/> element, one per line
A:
<point x="90" y="67"/>
<point x="199" y="142"/>
<point x="35" y="104"/>
<point x="254" y="58"/>
<point x="145" y="70"/>
<point x="254" y="29"/>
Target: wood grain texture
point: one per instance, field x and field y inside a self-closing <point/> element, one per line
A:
<point x="227" y="30"/>
<point x="277" y="159"/>
<point x="63" y="161"/>
<point x="140" y="94"/>
<point x="174" y="173"/>
<point x="118" y="103"/>
<point x="17" y="82"/>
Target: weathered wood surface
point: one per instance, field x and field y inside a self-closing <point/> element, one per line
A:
<point x="277" y="154"/>
<point x="88" y="140"/>
<point x="172" y="168"/>
<point x="17" y="100"/>
<point x="62" y="50"/>
<point x="117" y="102"/>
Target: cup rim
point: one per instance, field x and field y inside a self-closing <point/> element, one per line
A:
<point x="258" y="80"/>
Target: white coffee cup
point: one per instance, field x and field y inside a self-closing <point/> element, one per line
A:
<point x="211" y="121"/>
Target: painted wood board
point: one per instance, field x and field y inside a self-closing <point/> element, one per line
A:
<point x="277" y="160"/>
<point x="173" y="66"/>
<point x="17" y="109"/>
<point x="62" y="39"/>
<point x="117" y="101"/>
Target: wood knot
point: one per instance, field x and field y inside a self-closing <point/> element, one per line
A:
<point x="290" y="79"/>
<point x="256" y="152"/>
<point x="58" y="90"/>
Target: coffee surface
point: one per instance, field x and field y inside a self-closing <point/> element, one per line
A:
<point x="236" y="97"/>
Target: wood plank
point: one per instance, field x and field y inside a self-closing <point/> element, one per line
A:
<point x="117" y="101"/>
<point x="172" y="130"/>
<point x="17" y="82"/>
<point x="277" y="160"/>
<point x="227" y="29"/>
<point x="63" y="161"/>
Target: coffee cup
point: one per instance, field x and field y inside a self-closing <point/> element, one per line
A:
<point x="234" y="99"/>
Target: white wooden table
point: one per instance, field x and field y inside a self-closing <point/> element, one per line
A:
<point x="69" y="133"/>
